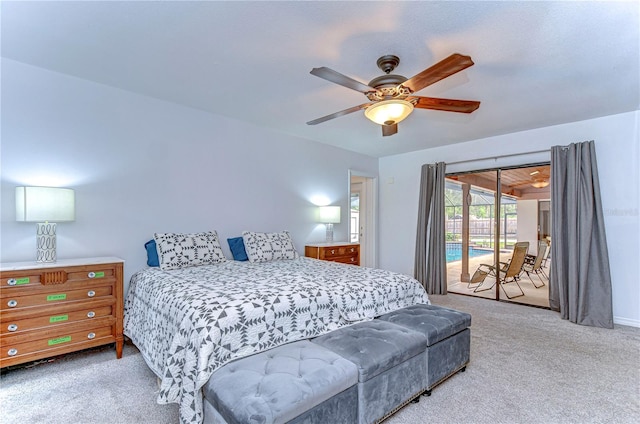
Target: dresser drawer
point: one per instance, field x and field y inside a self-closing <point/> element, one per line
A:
<point x="56" y="318"/>
<point x="340" y="251"/>
<point x="56" y="331"/>
<point x="353" y="260"/>
<point x="13" y="353"/>
<point x="50" y="277"/>
<point x="348" y="253"/>
<point x="92" y="273"/>
<point x="51" y="297"/>
<point x="21" y="279"/>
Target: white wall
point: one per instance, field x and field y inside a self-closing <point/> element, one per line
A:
<point x="141" y="165"/>
<point x="618" y="154"/>
<point x="528" y="224"/>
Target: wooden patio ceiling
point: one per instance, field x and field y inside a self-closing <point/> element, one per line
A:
<point x="515" y="182"/>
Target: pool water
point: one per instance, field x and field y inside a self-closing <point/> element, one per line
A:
<point x="454" y="252"/>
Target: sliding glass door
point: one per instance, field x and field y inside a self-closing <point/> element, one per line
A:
<point x="487" y="213"/>
<point x="470" y="216"/>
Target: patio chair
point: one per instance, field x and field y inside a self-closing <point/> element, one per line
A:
<point x="547" y="254"/>
<point x="509" y="272"/>
<point x="533" y="264"/>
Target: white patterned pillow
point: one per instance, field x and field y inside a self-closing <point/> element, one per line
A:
<point x="184" y="250"/>
<point x="263" y="247"/>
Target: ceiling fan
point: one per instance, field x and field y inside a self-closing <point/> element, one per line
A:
<point x="538" y="178"/>
<point x="391" y="96"/>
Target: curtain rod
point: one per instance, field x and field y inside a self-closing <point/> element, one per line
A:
<point x="498" y="157"/>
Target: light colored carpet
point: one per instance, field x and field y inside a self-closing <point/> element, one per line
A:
<point x="527" y="366"/>
<point x="91" y="387"/>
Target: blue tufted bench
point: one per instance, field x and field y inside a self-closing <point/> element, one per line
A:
<point x="300" y="382"/>
<point x="391" y="364"/>
<point x="448" y="338"/>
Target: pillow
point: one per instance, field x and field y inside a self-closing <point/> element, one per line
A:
<point x="185" y="250"/>
<point x="263" y="247"/>
<point x="236" y="245"/>
<point x="152" y="253"/>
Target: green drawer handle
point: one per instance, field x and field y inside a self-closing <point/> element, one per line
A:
<point x="59" y="340"/>
<point x="18" y="281"/>
<point x="54" y="297"/>
<point x="58" y="318"/>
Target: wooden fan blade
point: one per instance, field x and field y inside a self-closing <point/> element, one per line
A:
<point x="343" y="80"/>
<point x="389" y="129"/>
<point x="341" y="113"/>
<point x="447" y="67"/>
<point x="449" y="105"/>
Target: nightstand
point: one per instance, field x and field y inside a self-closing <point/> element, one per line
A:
<point x="49" y="309"/>
<point x="347" y="253"/>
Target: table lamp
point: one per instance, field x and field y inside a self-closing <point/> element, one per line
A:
<point x="329" y="215"/>
<point x="45" y="206"/>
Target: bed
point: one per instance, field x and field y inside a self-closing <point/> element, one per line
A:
<point x="188" y="321"/>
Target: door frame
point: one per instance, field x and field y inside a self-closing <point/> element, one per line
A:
<point x="369" y="216"/>
<point x="497" y="229"/>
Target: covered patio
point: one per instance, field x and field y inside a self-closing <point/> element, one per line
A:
<point x="532" y="296"/>
<point x="471" y="224"/>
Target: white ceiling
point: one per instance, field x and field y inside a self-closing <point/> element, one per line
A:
<point x="536" y="63"/>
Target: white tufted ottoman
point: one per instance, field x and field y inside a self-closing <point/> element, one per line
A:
<point x="300" y="382"/>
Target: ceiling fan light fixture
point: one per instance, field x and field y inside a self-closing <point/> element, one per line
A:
<point x="389" y="112"/>
<point x="540" y="183"/>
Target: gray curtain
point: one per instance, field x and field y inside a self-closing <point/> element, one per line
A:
<point x="580" y="284"/>
<point x="430" y="266"/>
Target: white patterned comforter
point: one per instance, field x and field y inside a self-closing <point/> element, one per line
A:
<point x="189" y="322"/>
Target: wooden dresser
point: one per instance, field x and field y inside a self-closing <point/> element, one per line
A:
<point x="49" y="309"/>
<point x="348" y="253"/>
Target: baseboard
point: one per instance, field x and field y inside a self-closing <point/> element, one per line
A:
<point x="626" y="321"/>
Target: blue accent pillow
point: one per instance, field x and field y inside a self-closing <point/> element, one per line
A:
<point x="236" y="245"/>
<point x="152" y="253"/>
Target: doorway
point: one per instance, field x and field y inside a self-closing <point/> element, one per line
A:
<point x="486" y="213"/>
<point x="362" y="217"/>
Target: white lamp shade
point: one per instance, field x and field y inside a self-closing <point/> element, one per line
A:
<point x="40" y="204"/>
<point x="389" y="112"/>
<point x="329" y="214"/>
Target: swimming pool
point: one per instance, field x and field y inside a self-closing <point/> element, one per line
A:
<point x="454" y="252"/>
